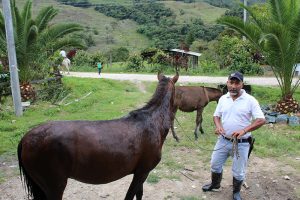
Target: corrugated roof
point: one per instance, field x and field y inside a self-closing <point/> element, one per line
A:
<point x="186" y="52"/>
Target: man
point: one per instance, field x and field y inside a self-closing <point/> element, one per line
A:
<point x="63" y="53"/>
<point x="233" y="120"/>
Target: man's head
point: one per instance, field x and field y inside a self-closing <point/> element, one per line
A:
<point x="235" y="83"/>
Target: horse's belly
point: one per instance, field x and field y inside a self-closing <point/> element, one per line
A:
<point x="98" y="178"/>
<point x="101" y="173"/>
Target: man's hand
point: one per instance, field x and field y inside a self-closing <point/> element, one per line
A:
<point x="238" y="133"/>
<point x="219" y="131"/>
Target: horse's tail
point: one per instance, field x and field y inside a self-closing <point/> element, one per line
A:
<point x="34" y="192"/>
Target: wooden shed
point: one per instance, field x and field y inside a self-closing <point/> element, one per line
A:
<point x="192" y="57"/>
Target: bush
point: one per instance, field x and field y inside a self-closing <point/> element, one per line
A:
<point x="209" y="66"/>
<point x="248" y="68"/>
<point x="135" y="63"/>
<point x="97" y="57"/>
<point x="53" y="92"/>
<point x="82" y="58"/>
<point x="120" y="54"/>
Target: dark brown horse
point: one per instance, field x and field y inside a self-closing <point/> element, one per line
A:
<point x="97" y="152"/>
<point x="191" y="98"/>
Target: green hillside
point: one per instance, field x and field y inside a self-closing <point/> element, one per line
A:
<point x="102" y="28"/>
<point x="188" y="11"/>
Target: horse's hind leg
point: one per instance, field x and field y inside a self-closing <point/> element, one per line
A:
<point x="172" y="126"/>
<point x="198" y="123"/>
<point x="136" y="186"/>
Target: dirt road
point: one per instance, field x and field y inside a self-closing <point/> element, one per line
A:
<point x="265" y="179"/>
<point x="262" y="81"/>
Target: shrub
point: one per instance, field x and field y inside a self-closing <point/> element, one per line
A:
<point x="135" y="63"/>
<point x="53" y="92"/>
<point x="97" y="57"/>
<point x="82" y="58"/>
<point x="209" y="66"/>
<point x="247" y="68"/>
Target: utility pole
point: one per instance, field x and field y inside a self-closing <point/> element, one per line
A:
<point x="245" y="11"/>
<point x="13" y="67"/>
<point x="245" y="16"/>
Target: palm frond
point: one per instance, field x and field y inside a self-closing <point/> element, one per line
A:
<point x="44" y="17"/>
<point x="58" y="31"/>
<point x="250" y="31"/>
<point x="26" y="13"/>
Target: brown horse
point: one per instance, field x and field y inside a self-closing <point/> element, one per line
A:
<point x="191" y="98"/>
<point x="97" y="152"/>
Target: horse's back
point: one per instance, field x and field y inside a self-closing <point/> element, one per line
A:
<point x="188" y="98"/>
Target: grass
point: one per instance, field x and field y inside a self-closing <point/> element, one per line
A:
<point x="124" y="33"/>
<point x="110" y="99"/>
<point x="206" y="12"/>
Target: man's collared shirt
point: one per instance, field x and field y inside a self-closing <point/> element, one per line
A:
<point x="238" y="114"/>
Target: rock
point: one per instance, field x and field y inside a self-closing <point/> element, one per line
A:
<point x="294" y="121"/>
<point x="282" y="119"/>
<point x="270" y="119"/>
<point x="287" y="177"/>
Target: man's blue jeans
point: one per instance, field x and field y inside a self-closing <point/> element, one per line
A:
<point x="223" y="149"/>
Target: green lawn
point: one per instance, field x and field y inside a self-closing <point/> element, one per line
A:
<point x="100" y="99"/>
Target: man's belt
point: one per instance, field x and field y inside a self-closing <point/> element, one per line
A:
<point x="238" y="140"/>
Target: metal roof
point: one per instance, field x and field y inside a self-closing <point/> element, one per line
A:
<point x="186" y="52"/>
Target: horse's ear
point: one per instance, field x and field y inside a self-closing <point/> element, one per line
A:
<point x="160" y="76"/>
<point x="175" y="78"/>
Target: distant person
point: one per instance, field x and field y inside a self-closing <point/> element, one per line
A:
<point x="63" y="53"/>
<point x="99" y="66"/>
<point x="236" y="115"/>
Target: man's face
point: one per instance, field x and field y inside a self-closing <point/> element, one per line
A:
<point x="234" y="86"/>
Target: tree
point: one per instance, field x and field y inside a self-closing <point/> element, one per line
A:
<point x="36" y="40"/>
<point x="278" y="38"/>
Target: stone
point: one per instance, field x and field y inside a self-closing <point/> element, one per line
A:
<point x="294" y="121"/>
<point x="270" y="119"/>
<point x="282" y="119"/>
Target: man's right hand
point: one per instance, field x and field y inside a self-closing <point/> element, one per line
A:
<point x="219" y="131"/>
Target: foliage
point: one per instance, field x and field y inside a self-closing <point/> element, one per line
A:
<point x="76" y="3"/>
<point x="236" y="55"/>
<point x="118" y="54"/>
<point x="158" y="23"/>
<point x="209" y="66"/>
<point x="36" y="40"/>
<point x="98" y="57"/>
<point x="246" y="68"/>
<point x="52" y="92"/>
<point x="231" y="3"/>
<point x="135" y="62"/>
<point x="277" y="37"/>
<point x="82" y="58"/>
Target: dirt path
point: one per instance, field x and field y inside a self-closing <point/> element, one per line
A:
<point x="262" y="81"/>
<point x="265" y="180"/>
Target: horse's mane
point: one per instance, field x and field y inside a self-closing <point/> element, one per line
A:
<point x="155" y="101"/>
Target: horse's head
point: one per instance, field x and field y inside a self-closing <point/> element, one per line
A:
<point x="167" y="87"/>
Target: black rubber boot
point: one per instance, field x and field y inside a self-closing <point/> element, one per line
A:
<point x="215" y="182"/>
<point x="237" y="185"/>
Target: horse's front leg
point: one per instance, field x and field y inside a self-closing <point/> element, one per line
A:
<point x="136" y="186"/>
<point x="198" y="122"/>
<point x="172" y="126"/>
